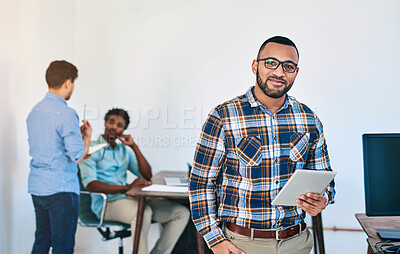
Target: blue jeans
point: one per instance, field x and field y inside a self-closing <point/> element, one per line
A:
<point x="56" y="221"/>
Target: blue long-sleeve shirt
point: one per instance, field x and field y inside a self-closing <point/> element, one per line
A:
<point x="55" y="144"/>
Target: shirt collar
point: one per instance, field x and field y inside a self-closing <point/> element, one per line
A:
<point x="56" y="97"/>
<point x="255" y="103"/>
<point x="101" y="139"/>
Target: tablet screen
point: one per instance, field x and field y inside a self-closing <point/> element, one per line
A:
<point x="301" y="182"/>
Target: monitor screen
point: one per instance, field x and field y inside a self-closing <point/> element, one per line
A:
<point x="381" y="154"/>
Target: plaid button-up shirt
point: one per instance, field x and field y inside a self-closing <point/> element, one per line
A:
<point x="245" y="156"/>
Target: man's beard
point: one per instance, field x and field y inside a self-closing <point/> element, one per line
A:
<point x="111" y="136"/>
<point x="272" y="93"/>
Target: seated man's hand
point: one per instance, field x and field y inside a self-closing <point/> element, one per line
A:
<point x="140" y="183"/>
<point x="127" y="140"/>
<point x="226" y="247"/>
<point x="312" y="203"/>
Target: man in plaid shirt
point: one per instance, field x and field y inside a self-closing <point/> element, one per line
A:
<point x="248" y="149"/>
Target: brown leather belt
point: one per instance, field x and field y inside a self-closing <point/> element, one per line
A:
<point x="277" y="234"/>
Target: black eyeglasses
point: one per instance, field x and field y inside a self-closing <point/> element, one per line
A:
<point x="273" y="63"/>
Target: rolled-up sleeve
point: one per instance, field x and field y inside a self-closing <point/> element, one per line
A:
<point x="88" y="169"/>
<point x="68" y="128"/>
<point x="209" y="155"/>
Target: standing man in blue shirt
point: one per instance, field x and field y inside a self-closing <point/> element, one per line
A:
<point x="248" y="149"/>
<point x="106" y="171"/>
<point x="56" y="145"/>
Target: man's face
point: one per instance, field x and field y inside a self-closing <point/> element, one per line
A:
<point x="115" y="126"/>
<point x="275" y="83"/>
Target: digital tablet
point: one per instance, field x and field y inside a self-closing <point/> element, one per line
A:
<point x="177" y="180"/>
<point x="301" y="182"/>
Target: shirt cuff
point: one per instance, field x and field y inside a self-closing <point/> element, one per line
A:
<point x="79" y="155"/>
<point x="214" y="237"/>
<point x="328" y="198"/>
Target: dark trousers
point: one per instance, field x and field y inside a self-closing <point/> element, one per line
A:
<point x="56" y="221"/>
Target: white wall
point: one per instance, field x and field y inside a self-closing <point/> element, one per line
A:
<point x="33" y="34"/>
<point x="170" y="62"/>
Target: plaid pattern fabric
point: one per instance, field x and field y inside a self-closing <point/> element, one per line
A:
<point x="244" y="156"/>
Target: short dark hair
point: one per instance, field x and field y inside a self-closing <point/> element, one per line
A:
<point x="280" y="40"/>
<point x="118" y="112"/>
<point x="60" y="71"/>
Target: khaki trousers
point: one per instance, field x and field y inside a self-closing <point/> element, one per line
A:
<point x="298" y="244"/>
<point x="172" y="216"/>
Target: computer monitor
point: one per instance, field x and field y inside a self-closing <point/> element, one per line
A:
<point x="381" y="154"/>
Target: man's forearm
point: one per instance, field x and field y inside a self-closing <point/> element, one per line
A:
<point x="204" y="219"/>
<point x="86" y="142"/>
<point x="98" y="186"/>
<point x="144" y="166"/>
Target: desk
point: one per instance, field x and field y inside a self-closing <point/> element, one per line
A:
<point x="371" y="223"/>
<point x="142" y="195"/>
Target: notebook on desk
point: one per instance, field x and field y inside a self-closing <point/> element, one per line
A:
<point x="177" y="180"/>
<point x="389" y="234"/>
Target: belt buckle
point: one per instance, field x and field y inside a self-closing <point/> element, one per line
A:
<point x="277" y="234"/>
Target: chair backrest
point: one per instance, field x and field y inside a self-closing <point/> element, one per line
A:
<point x="86" y="215"/>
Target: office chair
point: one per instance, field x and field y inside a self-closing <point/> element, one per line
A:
<point x="88" y="219"/>
<point x="318" y="235"/>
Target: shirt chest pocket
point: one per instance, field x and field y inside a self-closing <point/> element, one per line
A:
<point x="248" y="150"/>
<point x="299" y="143"/>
